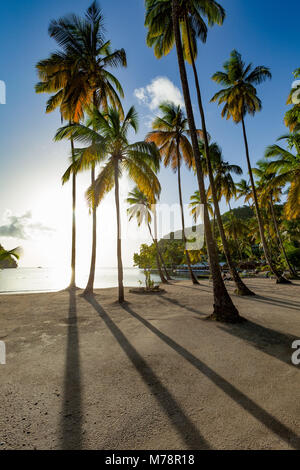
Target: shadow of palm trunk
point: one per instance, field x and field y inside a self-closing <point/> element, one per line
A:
<point x="179" y="421"/>
<point x="260" y="414"/>
<point x="71" y="419"/>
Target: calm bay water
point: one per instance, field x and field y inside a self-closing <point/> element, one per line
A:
<point x="52" y="279"/>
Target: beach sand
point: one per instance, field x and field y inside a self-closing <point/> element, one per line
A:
<point x="153" y="374"/>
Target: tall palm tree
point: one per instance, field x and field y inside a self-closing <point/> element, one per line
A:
<point x="193" y="17"/>
<point x="239" y="98"/>
<point x="140" y="160"/>
<point x="83" y="41"/>
<point x="58" y="75"/>
<point x="141" y="209"/>
<point x="270" y="192"/>
<point x="235" y="228"/>
<point x="170" y="135"/>
<point x="223" y="185"/>
<point x="287" y="168"/>
<point x="244" y="190"/>
<point x="224" y="309"/>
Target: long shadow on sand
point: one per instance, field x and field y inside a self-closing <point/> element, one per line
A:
<point x="178" y="304"/>
<point x="271" y="342"/>
<point x="71" y="420"/>
<point x="269" y="421"/>
<point x="277" y="302"/>
<point x="184" y="426"/>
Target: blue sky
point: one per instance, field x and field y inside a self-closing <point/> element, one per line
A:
<point x="31" y="164"/>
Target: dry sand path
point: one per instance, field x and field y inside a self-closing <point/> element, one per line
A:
<point x="152" y="374"/>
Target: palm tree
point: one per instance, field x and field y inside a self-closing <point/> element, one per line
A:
<point x="223" y="185"/>
<point x="142" y="210"/>
<point x="191" y="16"/>
<point x="83" y="42"/>
<point x="240" y="98"/>
<point x="235" y="228"/>
<point x="287" y="168"/>
<point x="170" y="135"/>
<point x="109" y="140"/>
<point x="7" y="254"/>
<point x="244" y="190"/>
<point x="270" y="192"/>
<point x="57" y="75"/>
<point x="224" y="309"/>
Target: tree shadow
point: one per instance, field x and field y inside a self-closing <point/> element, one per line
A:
<point x="271" y="342"/>
<point x="178" y="304"/>
<point x="269" y="421"/>
<point x="184" y="426"/>
<point x="276" y="302"/>
<point x="71" y="419"/>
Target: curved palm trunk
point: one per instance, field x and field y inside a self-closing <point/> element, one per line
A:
<point x="241" y="288"/>
<point x="290" y="267"/>
<point x="188" y="260"/>
<point x="73" y="256"/>
<point x="119" y="245"/>
<point x="158" y="257"/>
<point x="168" y="277"/>
<point x="89" y="290"/>
<point x="224" y="309"/>
<point x="279" y="277"/>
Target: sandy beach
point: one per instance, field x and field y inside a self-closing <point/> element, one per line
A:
<point x="151" y="374"/>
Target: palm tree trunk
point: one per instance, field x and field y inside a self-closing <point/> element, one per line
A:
<point x="290" y="267"/>
<point x="224" y="309"/>
<point x="73" y="256"/>
<point x="241" y="288"/>
<point x="188" y="260"/>
<point x="89" y="290"/>
<point x="119" y="245"/>
<point x="161" y="275"/>
<point x="279" y="277"/>
<point x="168" y="277"/>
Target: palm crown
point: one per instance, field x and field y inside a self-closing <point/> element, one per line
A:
<point x="194" y="16"/>
<point x="170" y="134"/>
<point x="86" y="57"/>
<point x="287" y="168"/>
<point x="239" y="96"/>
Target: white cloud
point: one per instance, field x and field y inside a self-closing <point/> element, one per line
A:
<point x="160" y="89"/>
<point x="21" y="226"/>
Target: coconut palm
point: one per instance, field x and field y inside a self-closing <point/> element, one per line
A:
<point x="7" y="254"/>
<point x="223" y="185"/>
<point x="84" y="43"/>
<point x="108" y="138"/>
<point x="235" y="229"/>
<point x="141" y="209"/>
<point x="192" y="17"/>
<point x="170" y="135"/>
<point x="168" y="33"/>
<point x="270" y="192"/>
<point x="224" y="309"/>
<point x="287" y="168"/>
<point x="58" y="76"/>
<point x="239" y="98"/>
<point x="244" y="190"/>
